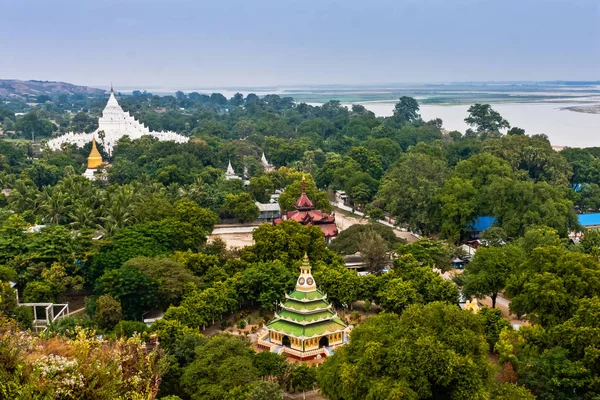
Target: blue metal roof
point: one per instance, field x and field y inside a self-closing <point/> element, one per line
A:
<point x="589" y="219"/>
<point x="483" y="223"/>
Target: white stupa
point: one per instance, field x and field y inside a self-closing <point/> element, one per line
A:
<point x="114" y="123"/>
<point x="266" y="165"/>
<point x="230" y="173"/>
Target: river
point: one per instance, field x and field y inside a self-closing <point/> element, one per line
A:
<point x="563" y="127"/>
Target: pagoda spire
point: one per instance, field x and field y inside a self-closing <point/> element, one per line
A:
<point x="94" y="159"/>
<point x="303" y="202"/>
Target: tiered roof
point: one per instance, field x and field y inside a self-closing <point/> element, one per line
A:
<point x="307" y="215"/>
<point x="305" y="313"/>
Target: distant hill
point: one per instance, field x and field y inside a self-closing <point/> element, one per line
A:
<point x="13" y="87"/>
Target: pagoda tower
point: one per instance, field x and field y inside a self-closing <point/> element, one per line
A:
<point x="94" y="161"/>
<point x="306" y="326"/>
<point x="268" y="167"/>
<point x="230" y="173"/>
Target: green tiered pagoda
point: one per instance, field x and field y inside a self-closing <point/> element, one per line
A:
<point x="306" y="325"/>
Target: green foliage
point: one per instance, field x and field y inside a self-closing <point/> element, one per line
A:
<point x="108" y="312"/>
<point x="241" y="207"/>
<point x="132" y="288"/>
<point x="429" y="252"/>
<point x="410" y="190"/>
<point x="287" y="241"/>
<point x="130" y="328"/>
<point x="171" y="276"/>
<point x="488" y="272"/>
<point x="485" y="119"/>
<point x="221" y="366"/>
<point x="510" y="391"/>
<point x="407" y="109"/>
<point x="494" y="324"/>
<point x="406" y="357"/>
<point x="347" y="242"/>
<point x="550" y="283"/>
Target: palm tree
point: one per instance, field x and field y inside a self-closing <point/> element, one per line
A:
<point x="84" y="216"/>
<point x="23" y="197"/>
<point x="53" y="203"/>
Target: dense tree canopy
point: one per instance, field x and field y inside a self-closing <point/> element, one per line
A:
<point x="423" y="340"/>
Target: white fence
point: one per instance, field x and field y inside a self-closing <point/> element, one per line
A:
<point x="51" y="312"/>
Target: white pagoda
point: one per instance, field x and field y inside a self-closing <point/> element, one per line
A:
<point x="230" y="173"/>
<point x="266" y="165"/>
<point x="112" y="126"/>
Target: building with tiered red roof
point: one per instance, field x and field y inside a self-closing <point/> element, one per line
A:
<point x="306" y="214"/>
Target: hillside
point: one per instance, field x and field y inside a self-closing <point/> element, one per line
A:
<point x="13" y="87"/>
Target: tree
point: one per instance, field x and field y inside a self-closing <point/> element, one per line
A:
<point x="373" y="251"/>
<point x="520" y="205"/>
<point x="172" y="277"/>
<point x="348" y="241"/>
<point x="39" y="292"/>
<point x="108" y="312"/>
<point x="132" y="288"/>
<point x="221" y="366"/>
<point x="398" y="294"/>
<point x="265" y="283"/>
<point x="261" y="188"/>
<point x="550" y="283"/>
<point x="495" y="323"/>
<point x="485" y="119"/>
<point x="534" y="155"/>
<point x="459" y="208"/>
<point x="407" y="356"/>
<point x="369" y="161"/>
<point x="430" y="253"/>
<point x="287" y="241"/>
<point x="263" y="390"/>
<point x="302" y="378"/>
<point x="407" y="109"/>
<point x="514" y="131"/>
<point x="410" y="190"/>
<point x="489" y="271"/>
<point x="241" y="206"/>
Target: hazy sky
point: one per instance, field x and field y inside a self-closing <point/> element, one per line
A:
<point x="217" y="43"/>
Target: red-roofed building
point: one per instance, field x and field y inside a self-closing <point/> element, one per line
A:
<point x="307" y="215"/>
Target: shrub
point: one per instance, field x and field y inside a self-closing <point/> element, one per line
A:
<point x="108" y="312"/>
<point x="129" y="328"/>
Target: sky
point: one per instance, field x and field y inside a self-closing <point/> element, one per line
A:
<point x="183" y="44"/>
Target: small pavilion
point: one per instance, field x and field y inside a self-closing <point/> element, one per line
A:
<point x="306" y="214"/>
<point x="306" y="326"/>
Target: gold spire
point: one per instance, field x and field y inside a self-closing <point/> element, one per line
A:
<point x="95" y="159"/>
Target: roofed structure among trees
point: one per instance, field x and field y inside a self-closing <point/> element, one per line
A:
<point x="306" y="214"/>
<point x="306" y="325"/>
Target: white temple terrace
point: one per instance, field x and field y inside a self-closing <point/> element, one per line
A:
<point x="115" y="123"/>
